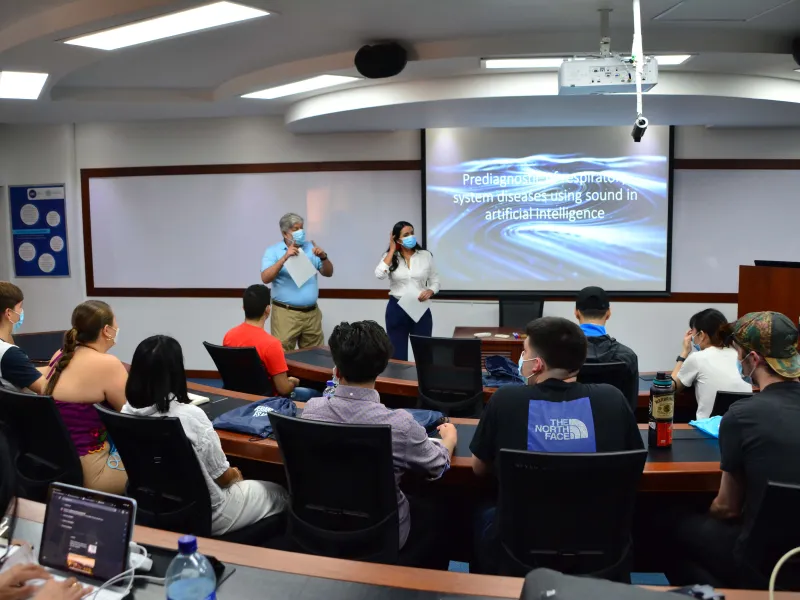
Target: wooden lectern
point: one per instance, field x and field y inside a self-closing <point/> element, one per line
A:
<point x="770" y="288"/>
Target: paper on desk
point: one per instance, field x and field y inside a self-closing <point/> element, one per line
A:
<point x="197" y="399"/>
<point x="410" y="303"/>
<point x="300" y="268"/>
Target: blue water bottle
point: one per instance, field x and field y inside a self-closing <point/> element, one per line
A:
<point x="190" y="576"/>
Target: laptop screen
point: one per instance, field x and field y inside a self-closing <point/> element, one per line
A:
<point x="86" y="532"/>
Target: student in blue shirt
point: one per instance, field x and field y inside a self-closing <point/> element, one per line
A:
<point x="296" y="318"/>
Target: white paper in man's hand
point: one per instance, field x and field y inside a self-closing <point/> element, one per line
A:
<point x="300" y="268"/>
<point x="410" y="303"/>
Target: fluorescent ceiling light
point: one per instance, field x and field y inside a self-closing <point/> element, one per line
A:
<point x="797" y="70"/>
<point x="672" y="59"/>
<point x="21" y="86"/>
<point x="522" y="63"/>
<point x="299" y="87"/>
<point x="179" y="23"/>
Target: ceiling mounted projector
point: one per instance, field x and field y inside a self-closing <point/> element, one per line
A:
<point x="609" y="75"/>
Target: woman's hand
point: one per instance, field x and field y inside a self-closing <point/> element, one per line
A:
<point x="13" y="582"/>
<point x="687" y="342"/>
<point x="425" y="295"/>
<point x="69" y="589"/>
<point x="392" y="245"/>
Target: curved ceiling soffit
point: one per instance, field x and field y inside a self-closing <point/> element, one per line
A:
<point x="532" y="84"/>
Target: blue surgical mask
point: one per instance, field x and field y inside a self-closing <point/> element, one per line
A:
<point x="18" y="324"/>
<point x="409" y="242"/>
<point x="299" y="237"/>
<point x="522" y="361"/>
<point x="695" y="346"/>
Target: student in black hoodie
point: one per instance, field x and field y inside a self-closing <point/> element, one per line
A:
<point x="593" y="310"/>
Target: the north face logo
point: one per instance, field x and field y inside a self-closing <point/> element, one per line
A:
<point x="563" y="429"/>
<point x="566" y="426"/>
<point x="262" y="411"/>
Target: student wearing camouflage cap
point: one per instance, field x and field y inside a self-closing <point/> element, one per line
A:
<point x="759" y="442"/>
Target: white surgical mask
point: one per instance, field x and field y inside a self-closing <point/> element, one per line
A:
<point x="115" y="339"/>
<point x="522" y="361"/>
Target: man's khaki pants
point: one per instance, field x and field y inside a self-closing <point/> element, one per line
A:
<point x="295" y="328"/>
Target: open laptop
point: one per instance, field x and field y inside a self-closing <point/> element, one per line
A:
<point x="86" y="534"/>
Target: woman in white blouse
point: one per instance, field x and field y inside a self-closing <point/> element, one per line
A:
<point x="157" y="388"/>
<point x="411" y="271"/>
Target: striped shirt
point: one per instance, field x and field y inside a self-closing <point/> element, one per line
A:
<point x="412" y="449"/>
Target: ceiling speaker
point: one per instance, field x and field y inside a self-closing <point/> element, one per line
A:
<point x="796" y="50"/>
<point x="381" y="60"/>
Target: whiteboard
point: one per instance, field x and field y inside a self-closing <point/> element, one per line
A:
<point x="723" y="219"/>
<point x="210" y="231"/>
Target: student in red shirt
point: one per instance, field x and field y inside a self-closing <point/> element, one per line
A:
<point x="251" y="333"/>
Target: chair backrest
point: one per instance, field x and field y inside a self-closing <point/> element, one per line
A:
<point x="42" y="448"/>
<point x="241" y="369"/>
<point x="776" y="530"/>
<point x="450" y="374"/>
<point x="519" y="310"/>
<point x="568" y="512"/>
<point x="724" y="400"/>
<point x="342" y="487"/>
<point x="40" y="347"/>
<point x="164" y="476"/>
<point x="613" y="373"/>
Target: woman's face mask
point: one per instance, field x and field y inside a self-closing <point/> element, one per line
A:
<point x="409" y="241"/>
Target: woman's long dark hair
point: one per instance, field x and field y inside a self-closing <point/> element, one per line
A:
<point x="8" y="490"/>
<point x="398" y="227"/>
<point x="714" y="323"/>
<point x="157" y="376"/>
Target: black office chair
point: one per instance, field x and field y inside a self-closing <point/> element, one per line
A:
<point x="613" y="373"/>
<point x="42" y="448"/>
<point x="165" y="479"/>
<point x="519" y="310"/>
<point x="568" y="512"/>
<point x="341" y="481"/>
<point x="776" y="530"/>
<point x="723" y="401"/>
<point x="450" y="375"/>
<point x="241" y="370"/>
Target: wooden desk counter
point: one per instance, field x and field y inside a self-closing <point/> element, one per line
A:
<point x="660" y="473"/>
<point x="444" y="583"/>
<point x="509" y="347"/>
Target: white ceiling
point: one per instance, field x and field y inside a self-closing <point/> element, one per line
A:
<point x="203" y="75"/>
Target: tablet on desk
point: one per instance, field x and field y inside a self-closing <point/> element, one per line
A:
<point x="86" y="533"/>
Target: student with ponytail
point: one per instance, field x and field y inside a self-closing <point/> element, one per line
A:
<point x="82" y="374"/>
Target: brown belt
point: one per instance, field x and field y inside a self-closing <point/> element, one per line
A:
<point x="304" y="309"/>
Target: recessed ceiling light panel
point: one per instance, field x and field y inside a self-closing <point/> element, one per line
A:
<point x="21" y="86"/>
<point x="167" y="26"/>
<point x="300" y="87"/>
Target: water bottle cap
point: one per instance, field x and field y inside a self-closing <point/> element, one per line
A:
<point x="187" y="544"/>
<point x="662" y="379"/>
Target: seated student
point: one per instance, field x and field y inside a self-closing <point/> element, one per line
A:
<point x="18" y="578"/>
<point x="157" y="388"/>
<point x="361" y="352"/>
<point x="712" y="367"/>
<point x="16" y="370"/>
<point x="554" y="351"/>
<point x="758" y="443"/>
<point x="82" y="374"/>
<point x="593" y="310"/>
<point x="251" y="333"/>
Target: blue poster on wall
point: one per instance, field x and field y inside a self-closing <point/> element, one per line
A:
<point x="39" y="230"/>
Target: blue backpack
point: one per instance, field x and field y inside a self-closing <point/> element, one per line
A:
<point x="253" y="419"/>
